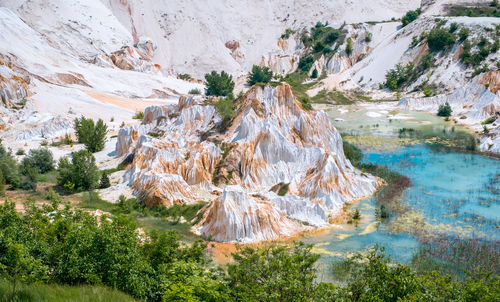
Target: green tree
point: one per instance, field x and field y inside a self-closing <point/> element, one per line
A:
<point x="410" y="16"/>
<point x="397" y="77"/>
<point x="444" y="110"/>
<point x="259" y="75"/>
<point x="40" y="159"/>
<point x="372" y="278"/>
<point x="92" y="135"/>
<point x="2" y="184"/>
<point x="314" y="73"/>
<point x="439" y="38"/>
<point x="219" y="84"/>
<point x="104" y="182"/>
<point x="81" y="173"/>
<point x="275" y="273"/>
<point x="9" y="168"/>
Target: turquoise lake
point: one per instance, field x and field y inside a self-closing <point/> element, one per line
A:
<point x="451" y="193"/>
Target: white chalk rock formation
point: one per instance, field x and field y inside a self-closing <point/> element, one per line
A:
<point x="180" y="149"/>
<point x="236" y="216"/>
<point x="472" y="104"/>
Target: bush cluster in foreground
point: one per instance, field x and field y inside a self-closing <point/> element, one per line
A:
<point x="57" y="244"/>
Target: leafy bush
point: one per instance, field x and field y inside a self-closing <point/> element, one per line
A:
<point x="104" y="182"/>
<point x="453" y="27"/>
<point x="439" y="38"/>
<point x="348" y="47"/>
<point x="254" y="275"/>
<point x="288" y="33"/>
<point x="368" y="37"/>
<point x="314" y="73"/>
<point x="9" y="168"/>
<point x="427" y="92"/>
<point x="20" y="152"/>
<point x="356" y="214"/>
<point x="39" y="159"/>
<point x="184" y="76"/>
<point x="410" y="16"/>
<point x="139" y="115"/>
<point x="444" y="110"/>
<point x="463" y="33"/>
<point x="81" y="174"/>
<point x="305" y="63"/>
<point x="488" y="120"/>
<point x="92" y="135"/>
<point x="332" y="36"/>
<point x="219" y="84"/>
<point x="395" y="78"/>
<point x="259" y="75"/>
<point x="225" y="108"/>
<point x="194" y="91"/>
<point x="318" y="47"/>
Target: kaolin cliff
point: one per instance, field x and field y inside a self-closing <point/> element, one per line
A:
<point x="179" y="156"/>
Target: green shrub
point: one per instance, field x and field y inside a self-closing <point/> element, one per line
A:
<point x="439" y="38"/>
<point x="395" y="78"/>
<point x="453" y="27"/>
<point x="254" y="274"/>
<point x="92" y="135"/>
<point x="368" y="37"/>
<point x="356" y="214"/>
<point x="288" y="33"/>
<point x="104" y="182"/>
<point x="314" y="73"/>
<point x="463" y="33"/>
<point x="9" y="168"/>
<point x="348" y="47"/>
<point x="225" y="108"/>
<point x="260" y="75"/>
<point x="427" y="92"/>
<point x="444" y="110"/>
<point x="488" y="120"/>
<point x="305" y="63"/>
<point x="2" y="185"/>
<point x="139" y="115"/>
<point x="219" y="84"/>
<point x="332" y="36"/>
<point x="81" y="174"/>
<point x="39" y="159"/>
<point x="318" y="47"/>
<point x="20" y="152"/>
<point x="410" y="16"/>
<point x="194" y="91"/>
<point x="184" y="76"/>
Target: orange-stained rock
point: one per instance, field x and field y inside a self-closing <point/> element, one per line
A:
<point x="273" y="139"/>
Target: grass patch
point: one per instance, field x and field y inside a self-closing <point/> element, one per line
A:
<point x="283" y="189"/>
<point x="478" y="10"/>
<point x="296" y="81"/>
<point x="54" y="293"/>
<point x="48" y="177"/>
<point x="458" y="257"/>
<point x="92" y="201"/>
